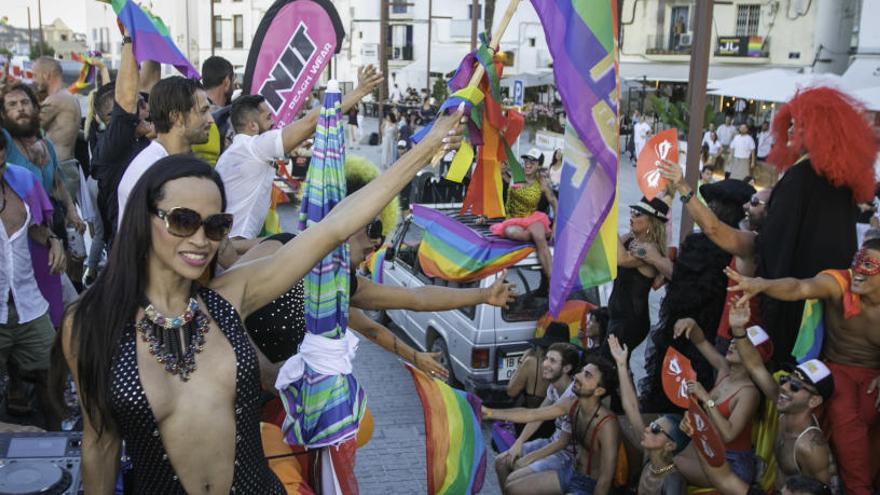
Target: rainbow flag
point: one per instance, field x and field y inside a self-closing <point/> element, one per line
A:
<point x="453" y="439"/>
<point x="375" y="263"/>
<point x="582" y="37"/>
<point x="452" y="251"/>
<point x="150" y="37"/>
<point x="573" y="314"/>
<point x="811" y="333"/>
<point x="86" y="73"/>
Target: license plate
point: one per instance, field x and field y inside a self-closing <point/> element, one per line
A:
<point x="508" y="364"/>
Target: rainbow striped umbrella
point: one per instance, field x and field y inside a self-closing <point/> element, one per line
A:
<point x="324" y="401"/>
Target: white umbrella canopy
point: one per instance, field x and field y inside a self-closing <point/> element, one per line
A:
<point x="870" y="97"/>
<point x="776" y="85"/>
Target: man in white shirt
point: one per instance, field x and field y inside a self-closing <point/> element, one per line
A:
<point x="641" y="131"/>
<point x="521" y="466"/>
<point x="247" y="167"/>
<point x="180" y="111"/>
<point x="707" y="136"/>
<point x="765" y="141"/>
<point x="742" y="153"/>
<point x="26" y="332"/>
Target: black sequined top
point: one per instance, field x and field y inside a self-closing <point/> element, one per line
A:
<point x="152" y="472"/>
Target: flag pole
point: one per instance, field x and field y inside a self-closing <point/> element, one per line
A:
<point x="493" y="45"/>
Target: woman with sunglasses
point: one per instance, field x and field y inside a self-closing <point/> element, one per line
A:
<point x="165" y="364"/>
<point x="641" y="258"/>
<point x="732" y="404"/>
<point x="661" y="439"/>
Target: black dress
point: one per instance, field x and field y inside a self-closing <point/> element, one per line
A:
<point x="629" y="316"/>
<point x="810" y="227"/>
<point x="152" y="472"/>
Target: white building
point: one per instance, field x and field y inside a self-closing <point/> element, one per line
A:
<point x="236" y="21"/>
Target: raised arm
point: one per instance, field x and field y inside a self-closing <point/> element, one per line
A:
<point x="525" y="415"/>
<point x="739" y="318"/>
<point x="691" y="329"/>
<point x="734" y="241"/>
<point x="100" y="453"/>
<point x="296" y="132"/>
<point x="627" y="388"/>
<point x="126" y="90"/>
<point x="257" y="284"/>
<point x="609" y="442"/>
<point x="376" y="296"/>
<point x="821" y="286"/>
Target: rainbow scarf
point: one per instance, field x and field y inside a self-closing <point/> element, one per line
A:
<point x="375" y="263"/>
<point x="150" y="39"/>
<point x="811" y="333"/>
<point x="452" y="251"/>
<point x="582" y="37"/>
<point x="453" y="439"/>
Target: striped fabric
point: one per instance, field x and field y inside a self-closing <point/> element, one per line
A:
<point x="325" y="409"/>
<point x="573" y="315"/>
<point x="150" y="39"/>
<point x="453" y="440"/>
<point x="582" y="37"/>
<point x="451" y="251"/>
<point x="811" y="333"/>
<point x="375" y="264"/>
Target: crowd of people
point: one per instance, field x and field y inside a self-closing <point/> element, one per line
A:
<point x="172" y="178"/>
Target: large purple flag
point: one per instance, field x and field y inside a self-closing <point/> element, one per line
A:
<point x="150" y="37"/>
<point x="582" y="37"/>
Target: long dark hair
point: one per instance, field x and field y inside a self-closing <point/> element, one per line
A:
<point x="103" y="312"/>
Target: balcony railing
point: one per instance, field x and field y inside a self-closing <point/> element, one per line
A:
<point x="662" y="44"/>
<point x="399" y="52"/>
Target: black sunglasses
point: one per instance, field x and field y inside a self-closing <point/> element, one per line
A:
<point x="796" y="385"/>
<point x="184" y="222"/>
<point x="635" y="213"/>
<point x="374" y="229"/>
<point x="657" y="429"/>
<point x="755" y="201"/>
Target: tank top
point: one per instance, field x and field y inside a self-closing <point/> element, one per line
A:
<point x="523" y="201"/>
<point x="743" y="441"/>
<point x="152" y="471"/>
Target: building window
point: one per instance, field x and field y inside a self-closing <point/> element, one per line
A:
<point x="532" y="42"/>
<point x="479" y="11"/>
<point x="238" y="31"/>
<point x="747" y="19"/>
<point x="218" y="32"/>
<point x="398" y="6"/>
<point x="399" y="42"/>
<point x="63" y="37"/>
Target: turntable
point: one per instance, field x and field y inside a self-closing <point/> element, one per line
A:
<point x="40" y="463"/>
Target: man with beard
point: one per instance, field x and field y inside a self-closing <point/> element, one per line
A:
<point x="737" y="242"/>
<point x="218" y="78"/>
<point x="544" y="460"/>
<point x="851" y="301"/>
<point x="594" y="429"/>
<point x="180" y="112"/>
<point x="800" y="446"/>
<point x="122" y="109"/>
<point x="248" y="166"/>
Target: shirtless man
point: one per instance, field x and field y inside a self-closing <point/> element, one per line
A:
<point x="59" y="111"/>
<point x="851" y="300"/>
<point x="800" y="446"/>
<point x="594" y="429"/>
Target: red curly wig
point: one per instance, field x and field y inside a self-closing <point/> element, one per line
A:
<point x="832" y="128"/>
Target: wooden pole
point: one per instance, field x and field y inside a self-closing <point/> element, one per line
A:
<point x="383" y="61"/>
<point x="475" y="7"/>
<point x="697" y="80"/>
<point x="493" y="45"/>
<point x="430" y="32"/>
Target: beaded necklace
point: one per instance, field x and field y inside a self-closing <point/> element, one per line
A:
<point x="163" y="336"/>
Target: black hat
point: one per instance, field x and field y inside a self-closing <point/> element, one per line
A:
<point x="727" y="190"/>
<point x="656" y="208"/>
<point x="814" y="372"/>
<point x="555" y="332"/>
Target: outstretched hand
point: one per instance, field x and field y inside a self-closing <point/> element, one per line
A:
<point x="671" y="171"/>
<point x="749" y="286"/>
<point x="447" y="132"/>
<point x="369" y="78"/>
<point x="739" y="316"/>
<point x="429" y="362"/>
<point x="500" y="293"/>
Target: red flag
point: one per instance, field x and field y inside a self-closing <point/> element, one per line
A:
<point x="663" y="146"/>
<point x="677" y="370"/>
<point x="705" y="439"/>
